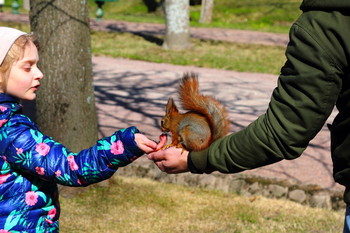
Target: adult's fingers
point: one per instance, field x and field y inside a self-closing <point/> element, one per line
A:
<point x="160" y="165"/>
<point x="157" y="156"/>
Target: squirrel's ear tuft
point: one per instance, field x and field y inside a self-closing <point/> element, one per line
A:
<point x="170" y="106"/>
<point x="170" y="103"/>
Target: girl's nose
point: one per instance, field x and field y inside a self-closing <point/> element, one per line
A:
<point x="38" y="74"/>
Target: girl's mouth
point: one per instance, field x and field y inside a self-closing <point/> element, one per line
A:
<point x="35" y="88"/>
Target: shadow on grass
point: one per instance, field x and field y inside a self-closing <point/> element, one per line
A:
<point x="149" y="35"/>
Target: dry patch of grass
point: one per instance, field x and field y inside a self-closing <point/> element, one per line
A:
<point x="142" y="205"/>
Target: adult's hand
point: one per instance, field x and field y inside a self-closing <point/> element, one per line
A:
<point x="171" y="160"/>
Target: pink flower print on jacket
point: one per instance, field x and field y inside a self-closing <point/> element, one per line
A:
<point x="117" y="148"/>
<point x="3" y="108"/>
<point x="31" y="198"/>
<point x="19" y="150"/>
<point x="58" y="173"/>
<point x="42" y="148"/>
<point x="40" y="170"/>
<point x="3" y="178"/>
<point x="2" y="122"/>
<point x="72" y="164"/>
<point x="4" y="231"/>
<point x="52" y="213"/>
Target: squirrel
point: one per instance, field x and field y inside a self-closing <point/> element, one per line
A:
<point x="205" y="121"/>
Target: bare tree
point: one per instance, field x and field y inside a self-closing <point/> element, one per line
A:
<point x="206" y="11"/>
<point x="177" y="35"/>
<point x="65" y="104"/>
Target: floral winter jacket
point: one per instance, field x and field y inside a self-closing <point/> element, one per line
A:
<point x="31" y="165"/>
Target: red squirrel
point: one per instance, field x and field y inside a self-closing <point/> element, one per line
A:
<point x="204" y="122"/>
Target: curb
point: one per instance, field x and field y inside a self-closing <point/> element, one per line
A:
<point x="246" y="185"/>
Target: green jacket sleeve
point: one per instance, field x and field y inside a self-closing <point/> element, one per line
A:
<point x="305" y="96"/>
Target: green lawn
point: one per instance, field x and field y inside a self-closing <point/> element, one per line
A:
<point x="212" y="54"/>
<point x="262" y="15"/>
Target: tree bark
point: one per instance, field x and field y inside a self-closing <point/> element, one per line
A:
<point x="65" y="102"/>
<point x="206" y="11"/>
<point x="177" y="35"/>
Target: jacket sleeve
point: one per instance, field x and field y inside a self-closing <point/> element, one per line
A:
<point x="28" y="150"/>
<point x="307" y="90"/>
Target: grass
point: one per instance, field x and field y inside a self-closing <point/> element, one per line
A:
<point x="211" y="54"/>
<point x="140" y="205"/>
<point x="265" y="15"/>
<point x="262" y="15"/>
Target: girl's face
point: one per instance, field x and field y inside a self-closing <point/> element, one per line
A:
<point x="24" y="77"/>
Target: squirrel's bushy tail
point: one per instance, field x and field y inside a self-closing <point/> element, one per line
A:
<point x="208" y="106"/>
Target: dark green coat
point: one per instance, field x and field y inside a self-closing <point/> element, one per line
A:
<point x="314" y="79"/>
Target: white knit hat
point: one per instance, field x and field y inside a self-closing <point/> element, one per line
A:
<point x="7" y="37"/>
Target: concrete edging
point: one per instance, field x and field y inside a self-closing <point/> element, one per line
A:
<point x="246" y="185"/>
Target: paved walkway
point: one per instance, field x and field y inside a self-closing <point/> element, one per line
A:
<point x="135" y="93"/>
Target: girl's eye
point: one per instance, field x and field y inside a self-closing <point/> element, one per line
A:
<point x="27" y="69"/>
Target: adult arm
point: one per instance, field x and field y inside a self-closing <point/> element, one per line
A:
<point x="307" y="90"/>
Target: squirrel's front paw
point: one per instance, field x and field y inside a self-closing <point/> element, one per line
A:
<point x="167" y="146"/>
<point x="172" y="144"/>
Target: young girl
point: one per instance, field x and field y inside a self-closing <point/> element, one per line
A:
<point x="31" y="164"/>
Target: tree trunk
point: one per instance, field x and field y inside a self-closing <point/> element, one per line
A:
<point x="65" y="103"/>
<point x="177" y="35"/>
<point x="206" y="11"/>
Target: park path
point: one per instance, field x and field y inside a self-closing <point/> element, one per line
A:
<point x="130" y="92"/>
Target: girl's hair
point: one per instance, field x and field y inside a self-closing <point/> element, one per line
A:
<point x="15" y="53"/>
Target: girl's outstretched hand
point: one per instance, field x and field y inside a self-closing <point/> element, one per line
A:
<point x="148" y="145"/>
<point x="145" y="144"/>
